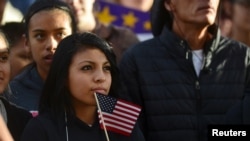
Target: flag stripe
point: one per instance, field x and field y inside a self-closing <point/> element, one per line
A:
<point x="125" y="104"/>
<point x="124" y="115"/>
<point x="121" y="119"/>
<point x="118" y="127"/>
<point x="116" y="130"/>
<point x="113" y="122"/>
<point x="117" y="115"/>
<point x="127" y="110"/>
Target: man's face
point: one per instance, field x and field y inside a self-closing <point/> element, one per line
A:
<point x="199" y="12"/>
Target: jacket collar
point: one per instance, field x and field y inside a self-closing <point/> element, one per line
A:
<point x="172" y="41"/>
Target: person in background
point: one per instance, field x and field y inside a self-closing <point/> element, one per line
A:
<point x="120" y="38"/>
<point x="68" y="109"/>
<point x="46" y="24"/>
<point x="188" y="76"/>
<point x="22" y="5"/>
<point x="8" y="13"/>
<point x="225" y="21"/>
<point x="14" y="117"/>
<point x="142" y="5"/>
<point x="20" y="55"/>
<point x="240" y="18"/>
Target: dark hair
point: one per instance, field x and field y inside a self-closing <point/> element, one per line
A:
<point x="13" y="31"/>
<point x="55" y="95"/>
<point x="159" y="17"/>
<point x="41" y="5"/>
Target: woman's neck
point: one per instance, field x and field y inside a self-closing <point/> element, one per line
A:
<point x="86" y="114"/>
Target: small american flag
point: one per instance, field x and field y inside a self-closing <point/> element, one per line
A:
<point x="119" y="116"/>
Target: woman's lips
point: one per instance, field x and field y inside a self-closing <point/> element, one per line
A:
<point x="48" y="58"/>
<point x="100" y="90"/>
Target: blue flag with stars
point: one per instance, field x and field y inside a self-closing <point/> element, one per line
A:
<point x="115" y="14"/>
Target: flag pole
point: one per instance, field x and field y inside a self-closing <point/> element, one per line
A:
<point x="104" y="126"/>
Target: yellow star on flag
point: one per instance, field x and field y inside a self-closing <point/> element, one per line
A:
<point x="105" y="16"/>
<point x="129" y="20"/>
<point x="147" y="25"/>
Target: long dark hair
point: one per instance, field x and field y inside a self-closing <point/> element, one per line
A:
<point x="41" y="5"/>
<point x="55" y="95"/>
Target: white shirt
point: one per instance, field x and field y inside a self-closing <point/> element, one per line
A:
<point x="198" y="58"/>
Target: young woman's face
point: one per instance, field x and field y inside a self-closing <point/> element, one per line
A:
<point x="198" y="12"/>
<point x="46" y="29"/>
<point x="89" y="72"/>
<point x="4" y="65"/>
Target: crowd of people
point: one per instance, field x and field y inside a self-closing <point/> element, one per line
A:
<point x="55" y="55"/>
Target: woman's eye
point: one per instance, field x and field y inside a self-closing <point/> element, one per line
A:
<point x="107" y="68"/>
<point x="60" y="35"/>
<point x="86" y="68"/>
<point x="39" y="36"/>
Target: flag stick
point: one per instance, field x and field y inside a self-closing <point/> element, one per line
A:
<point x="104" y="126"/>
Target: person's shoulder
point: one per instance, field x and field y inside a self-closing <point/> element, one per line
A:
<point x="38" y="128"/>
<point x="233" y="44"/>
<point x="145" y="45"/>
<point x="23" y="74"/>
<point x="16" y="111"/>
<point x="44" y="119"/>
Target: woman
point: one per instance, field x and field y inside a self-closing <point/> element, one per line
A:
<point x="46" y="24"/>
<point x="15" y="117"/>
<point x="82" y="65"/>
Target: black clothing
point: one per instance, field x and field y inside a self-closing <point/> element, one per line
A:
<point x="240" y="113"/>
<point x="177" y="105"/>
<point x="17" y="119"/>
<point x="45" y="128"/>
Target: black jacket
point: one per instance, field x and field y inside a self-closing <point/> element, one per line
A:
<point x="17" y="119"/>
<point x="177" y="105"/>
<point x="46" y="128"/>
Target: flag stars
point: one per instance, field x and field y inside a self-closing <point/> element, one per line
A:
<point x="106" y="103"/>
<point x="147" y="25"/>
<point x="105" y="16"/>
<point x="129" y="20"/>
